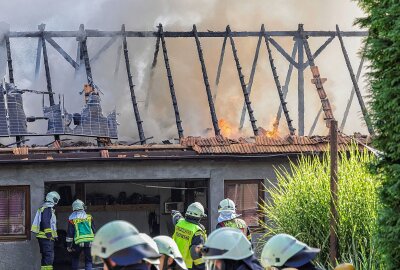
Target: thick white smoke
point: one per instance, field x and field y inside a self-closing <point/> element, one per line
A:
<point x="25" y="15"/>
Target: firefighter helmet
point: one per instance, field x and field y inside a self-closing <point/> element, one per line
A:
<point x="167" y="246"/>
<point x="53" y="197"/>
<point x="78" y="205"/>
<point x="226" y="205"/>
<point x="195" y="210"/>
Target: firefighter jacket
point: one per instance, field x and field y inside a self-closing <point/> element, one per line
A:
<point x="45" y="223"/>
<point x="80" y="229"/>
<point x="236" y="223"/>
<point x="187" y="235"/>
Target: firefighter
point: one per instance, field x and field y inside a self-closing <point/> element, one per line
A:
<point x="228" y="218"/>
<point x="284" y="251"/>
<point x="229" y="249"/>
<point x="119" y="246"/>
<point x="171" y="257"/>
<point x="45" y="227"/>
<point x="80" y="235"/>
<point x="189" y="235"/>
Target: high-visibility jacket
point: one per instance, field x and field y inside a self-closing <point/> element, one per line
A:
<point x="183" y="235"/>
<point x="82" y="231"/>
<point x="236" y="223"/>
<point x="45" y="222"/>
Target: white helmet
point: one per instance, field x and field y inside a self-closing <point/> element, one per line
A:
<point x="227" y="243"/>
<point x="153" y="245"/>
<point x="226" y="205"/>
<point x="120" y="241"/>
<point x="78" y="205"/>
<point x="167" y="246"/>
<point x="280" y="248"/>
<point x="195" y="210"/>
<point x="53" y="197"/>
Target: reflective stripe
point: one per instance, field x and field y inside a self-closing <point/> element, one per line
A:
<point x="46" y="267"/>
<point x="183" y="235"/>
<point x="83" y="230"/>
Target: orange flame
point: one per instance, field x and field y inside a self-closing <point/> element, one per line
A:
<point x="274" y="133"/>
<point x="226" y="128"/>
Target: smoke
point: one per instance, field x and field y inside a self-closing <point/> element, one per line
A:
<point x="158" y="119"/>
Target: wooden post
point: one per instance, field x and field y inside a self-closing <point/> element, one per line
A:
<point x="334" y="217"/>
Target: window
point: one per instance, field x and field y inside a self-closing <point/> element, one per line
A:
<point x="14" y="213"/>
<point x="246" y="195"/>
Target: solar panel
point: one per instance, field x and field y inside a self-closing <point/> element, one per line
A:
<point x="3" y="114"/>
<point x="112" y="125"/>
<point x="91" y="121"/>
<point x="58" y="123"/>
<point x="16" y="114"/>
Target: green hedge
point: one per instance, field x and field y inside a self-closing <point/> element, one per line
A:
<point x="383" y="52"/>
<point x="299" y="205"/>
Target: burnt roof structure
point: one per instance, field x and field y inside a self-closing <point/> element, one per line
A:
<point x="300" y="46"/>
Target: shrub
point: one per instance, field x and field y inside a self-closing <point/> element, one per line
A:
<point x="299" y="205"/>
<point x="383" y="52"/>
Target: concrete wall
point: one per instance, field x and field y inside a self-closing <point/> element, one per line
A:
<point x="25" y="254"/>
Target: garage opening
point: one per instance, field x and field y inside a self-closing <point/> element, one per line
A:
<point x="145" y="204"/>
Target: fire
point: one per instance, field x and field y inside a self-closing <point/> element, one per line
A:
<point x="226" y="128"/>
<point x="274" y="133"/>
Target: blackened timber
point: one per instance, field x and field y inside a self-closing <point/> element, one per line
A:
<point x="242" y="83"/>
<point x="46" y="67"/>
<point x="285" y="88"/>
<point x="278" y="85"/>
<point x="153" y="66"/>
<point x="320" y="49"/>
<point x="171" y="83"/>
<point x="9" y="61"/>
<point x="41" y="27"/>
<point x="104" y="48"/>
<point x="119" y="50"/>
<point x="38" y="57"/>
<point x="300" y="83"/>
<point x="284" y="53"/>
<point x="179" y="34"/>
<point x="350" y="101"/>
<point x="251" y="78"/>
<point x="355" y="84"/>
<point x="206" y="84"/>
<point x="142" y="137"/>
<point x="61" y="51"/>
<point x="314" y="125"/>
<point x="85" y="57"/>
<point x="318" y="81"/>
<point x="219" y="69"/>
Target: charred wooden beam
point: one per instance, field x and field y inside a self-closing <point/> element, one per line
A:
<point x="180" y="34"/>
<point x="284" y="53"/>
<point x="314" y="125"/>
<point x="320" y="50"/>
<point x="41" y="27"/>
<point x="278" y="85"/>
<point x="142" y="137"/>
<point x="242" y="83"/>
<point x="119" y="50"/>
<point x="104" y="48"/>
<point x="9" y="60"/>
<point x="38" y="57"/>
<point x="285" y="87"/>
<point x="251" y="78"/>
<point x="206" y="83"/>
<point x="317" y="80"/>
<point x="355" y="84"/>
<point x="85" y="56"/>
<point x="350" y="101"/>
<point x="171" y="83"/>
<point x="153" y="66"/>
<point x="300" y="81"/>
<point x="219" y="69"/>
<point x="61" y="51"/>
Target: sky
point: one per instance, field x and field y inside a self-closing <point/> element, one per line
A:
<point x="158" y="118"/>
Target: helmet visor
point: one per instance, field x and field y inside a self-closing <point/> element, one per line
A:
<point x="134" y="254"/>
<point x="211" y="252"/>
